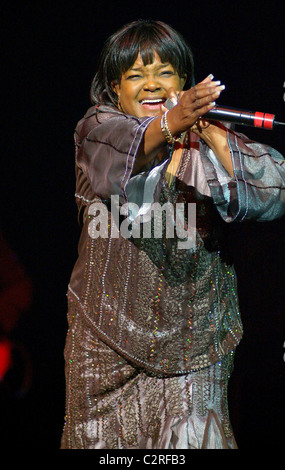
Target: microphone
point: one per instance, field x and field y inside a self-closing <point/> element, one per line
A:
<point x="238" y="116"/>
<point x="245" y="118"/>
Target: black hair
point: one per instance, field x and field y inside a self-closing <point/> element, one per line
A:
<point x="139" y="37"/>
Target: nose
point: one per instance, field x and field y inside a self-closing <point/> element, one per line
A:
<point x="151" y="84"/>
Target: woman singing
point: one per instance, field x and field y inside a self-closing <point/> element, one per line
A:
<point x="153" y="312"/>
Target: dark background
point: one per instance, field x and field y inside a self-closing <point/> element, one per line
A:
<point x="49" y="58"/>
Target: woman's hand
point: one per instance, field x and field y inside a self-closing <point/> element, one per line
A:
<point x="188" y="114"/>
<point x="192" y="105"/>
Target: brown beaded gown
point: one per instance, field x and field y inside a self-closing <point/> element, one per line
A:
<point x="153" y="323"/>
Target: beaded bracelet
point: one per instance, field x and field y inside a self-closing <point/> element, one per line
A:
<point x="165" y="130"/>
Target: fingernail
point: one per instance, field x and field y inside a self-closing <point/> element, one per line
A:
<point x="222" y="87"/>
<point x="212" y="103"/>
<point x="211" y="76"/>
<point x="215" y="83"/>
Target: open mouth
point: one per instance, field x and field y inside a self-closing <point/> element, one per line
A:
<point x="152" y="103"/>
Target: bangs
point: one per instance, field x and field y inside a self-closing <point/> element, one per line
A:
<point x="147" y="41"/>
<point x="146" y="49"/>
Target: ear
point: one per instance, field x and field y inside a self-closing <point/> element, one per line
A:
<point x="116" y="87"/>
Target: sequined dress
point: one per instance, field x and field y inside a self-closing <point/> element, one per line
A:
<point x="153" y="324"/>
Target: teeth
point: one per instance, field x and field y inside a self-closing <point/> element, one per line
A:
<point x="151" y="101"/>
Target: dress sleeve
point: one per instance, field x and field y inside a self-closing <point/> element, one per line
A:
<point x="257" y="190"/>
<point x="107" y="144"/>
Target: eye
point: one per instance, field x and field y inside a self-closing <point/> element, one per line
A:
<point x="167" y="72"/>
<point x="133" y="77"/>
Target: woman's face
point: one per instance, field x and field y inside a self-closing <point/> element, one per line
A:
<point x="143" y="88"/>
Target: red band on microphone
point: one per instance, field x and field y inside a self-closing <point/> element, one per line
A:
<point x="268" y="121"/>
<point x="258" y="119"/>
